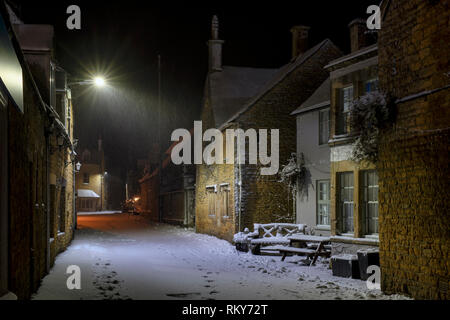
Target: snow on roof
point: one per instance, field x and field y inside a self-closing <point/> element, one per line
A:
<point x="231" y="88"/>
<point x="280" y="75"/>
<point x="319" y="99"/>
<point x="84" y="193"/>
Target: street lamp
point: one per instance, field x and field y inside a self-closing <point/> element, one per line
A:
<point x="97" y="81"/>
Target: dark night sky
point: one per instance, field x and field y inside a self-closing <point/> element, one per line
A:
<point x="122" y="39"/>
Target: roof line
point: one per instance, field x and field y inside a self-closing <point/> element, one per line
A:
<point x="312" y="108"/>
<point x="292" y="67"/>
<point x="353" y="55"/>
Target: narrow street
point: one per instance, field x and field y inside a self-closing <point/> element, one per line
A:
<point x="125" y="257"/>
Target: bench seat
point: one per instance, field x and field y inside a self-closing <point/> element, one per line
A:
<point x="272" y="240"/>
<point x="298" y="251"/>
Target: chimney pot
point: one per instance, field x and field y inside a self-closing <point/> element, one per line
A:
<point x="215" y="47"/>
<point x="300" y="40"/>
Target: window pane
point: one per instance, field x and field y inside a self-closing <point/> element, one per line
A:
<point x="346" y="201"/>
<point x="323" y="202"/>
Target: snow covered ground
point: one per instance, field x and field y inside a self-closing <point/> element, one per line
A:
<point x="124" y="257"/>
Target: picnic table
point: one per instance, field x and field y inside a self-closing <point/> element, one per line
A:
<point x="298" y="245"/>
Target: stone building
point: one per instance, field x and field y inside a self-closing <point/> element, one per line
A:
<point x="230" y="197"/>
<point x="169" y="197"/>
<point x="353" y="185"/>
<point x="313" y="152"/>
<point x="413" y="165"/>
<point x="90" y="182"/>
<point x="38" y="139"/>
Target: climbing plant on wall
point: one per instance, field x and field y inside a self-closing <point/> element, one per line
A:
<point x="369" y="114"/>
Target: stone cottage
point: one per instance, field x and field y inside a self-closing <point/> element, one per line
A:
<point x="231" y="197"/>
<point x="168" y="197"/>
<point x="353" y="185"/>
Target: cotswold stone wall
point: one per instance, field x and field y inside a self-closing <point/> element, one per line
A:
<point x="414" y="165"/>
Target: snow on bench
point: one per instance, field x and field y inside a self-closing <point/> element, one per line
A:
<point x="265" y="235"/>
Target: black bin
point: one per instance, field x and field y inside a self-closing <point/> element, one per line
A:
<point x="366" y="258"/>
<point x="345" y="266"/>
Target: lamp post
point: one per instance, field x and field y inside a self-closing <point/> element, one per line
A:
<point x="98" y="82"/>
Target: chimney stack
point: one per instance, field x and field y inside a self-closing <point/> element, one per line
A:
<point x="300" y="40"/>
<point x="215" y="47"/>
<point x="358" y="35"/>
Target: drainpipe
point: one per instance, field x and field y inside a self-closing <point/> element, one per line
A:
<point x="240" y="185"/>
<point x="47" y="209"/>
<point x="74" y="212"/>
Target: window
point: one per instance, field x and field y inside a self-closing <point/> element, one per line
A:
<point x="369" y="202"/>
<point x="62" y="211"/>
<point x="225" y="200"/>
<point x="211" y="197"/>
<point x="346" y="99"/>
<point x="345" y="202"/>
<point x="323" y="202"/>
<point x="86" y="178"/>
<point x="324" y="126"/>
<point x="372" y="85"/>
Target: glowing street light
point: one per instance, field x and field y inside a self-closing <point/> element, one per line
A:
<point x="99" y="82"/>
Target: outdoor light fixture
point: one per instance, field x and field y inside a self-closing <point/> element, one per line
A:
<point x="78" y="166"/>
<point x="99" y="82"/>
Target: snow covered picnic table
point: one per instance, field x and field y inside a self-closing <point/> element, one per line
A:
<point x="304" y="247"/>
<point x="265" y="236"/>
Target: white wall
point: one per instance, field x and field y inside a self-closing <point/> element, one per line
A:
<point x="317" y="162"/>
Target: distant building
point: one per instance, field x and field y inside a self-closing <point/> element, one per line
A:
<point x="313" y="132"/>
<point x="229" y="197"/>
<point x="90" y="180"/>
<point x="168" y="197"/>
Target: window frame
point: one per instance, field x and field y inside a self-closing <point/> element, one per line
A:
<point x="344" y="105"/>
<point x="320" y="202"/>
<point x="365" y="202"/>
<point x="224" y="199"/>
<point x="341" y="202"/>
<point x="211" y="195"/>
